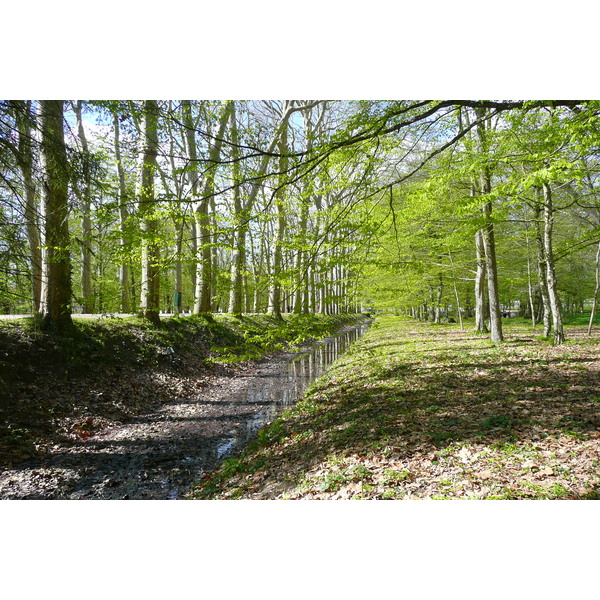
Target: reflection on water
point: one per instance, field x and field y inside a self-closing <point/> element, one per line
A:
<point x="282" y="389"/>
<point x="152" y="458"/>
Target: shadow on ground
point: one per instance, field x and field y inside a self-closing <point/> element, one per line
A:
<point x="532" y="422"/>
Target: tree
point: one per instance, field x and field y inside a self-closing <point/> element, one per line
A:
<point x="25" y="119"/>
<point x="150" y="282"/>
<point x="122" y="197"/>
<point x="204" y="273"/>
<point x="487" y="233"/>
<point x="56" y="263"/>
<point x="308" y="202"/>
<point x="241" y="221"/>
<point x="274" y="307"/>
<point x="84" y="192"/>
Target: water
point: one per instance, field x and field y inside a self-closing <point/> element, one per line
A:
<point x="282" y="389"/>
<point x="160" y="454"/>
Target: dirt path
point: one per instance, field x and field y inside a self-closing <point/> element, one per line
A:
<point x="159" y="454"/>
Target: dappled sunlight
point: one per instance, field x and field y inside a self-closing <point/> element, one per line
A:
<point x="193" y="424"/>
<point x="512" y="422"/>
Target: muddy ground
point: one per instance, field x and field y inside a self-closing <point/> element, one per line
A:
<point x="156" y="455"/>
<point x="130" y="431"/>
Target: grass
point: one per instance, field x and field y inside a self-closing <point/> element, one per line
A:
<point x="132" y="341"/>
<point x="418" y="411"/>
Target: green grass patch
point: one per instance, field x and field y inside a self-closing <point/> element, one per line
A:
<point x="426" y="411"/>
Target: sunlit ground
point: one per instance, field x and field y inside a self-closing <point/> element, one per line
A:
<point x="416" y="410"/>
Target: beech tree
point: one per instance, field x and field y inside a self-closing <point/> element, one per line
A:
<point x="447" y="209"/>
<point x="84" y="193"/>
<point x="205" y="273"/>
<point x="127" y="293"/>
<point x="55" y="306"/>
<point x="487" y="232"/>
<point x="25" y="156"/>
<point x="150" y="281"/>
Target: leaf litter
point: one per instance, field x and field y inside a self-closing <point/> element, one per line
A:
<point x="417" y="411"/>
<point x="127" y="429"/>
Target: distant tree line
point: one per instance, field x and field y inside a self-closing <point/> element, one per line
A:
<point x="429" y="207"/>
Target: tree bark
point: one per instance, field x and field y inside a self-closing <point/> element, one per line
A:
<point x="438" y="299"/>
<point x="275" y="284"/>
<point x="189" y="137"/>
<point x="596" y="288"/>
<point x="458" y="307"/>
<point x="124" y="277"/>
<point x="25" y="158"/>
<point x="529" y="285"/>
<point x="241" y="223"/>
<point x="177" y="213"/>
<point x="204" y="274"/>
<point x="541" y="268"/>
<point x="150" y="283"/>
<point x="300" y="266"/>
<point x="56" y="306"/>
<point x="489" y="243"/>
<point x="555" y="307"/>
<point x="480" y="279"/>
<point x="87" y="291"/>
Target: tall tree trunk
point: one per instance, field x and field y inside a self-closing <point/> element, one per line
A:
<point x="124" y="276"/>
<point x="246" y="288"/>
<point x="178" y="297"/>
<point x="86" y="223"/>
<point x="438" y="300"/>
<point x="241" y="223"/>
<point x="189" y="136"/>
<point x="529" y="284"/>
<point x="177" y="214"/>
<point x="489" y="243"/>
<point x="541" y="267"/>
<point x="596" y="288"/>
<point x="150" y="284"/>
<point x="311" y="299"/>
<point x="204" y="274"/>
<point x="481" y="272"/>
<point x="480" y="279"/>
<point x="492" y="278"/>
<point x="194" y="253"/>
<point x="56" y="305"/>
<point x="24" y="119"/>
<point x="238" y="266"/>
<point x="275" y="284"/>
<point x="458" y="307"/>
<point x="214" y="256"/>
<point x="300" y="266"/>
<point x="559" y="335"/>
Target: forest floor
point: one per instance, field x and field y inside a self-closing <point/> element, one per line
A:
<point x="415" y="410"/>
<point x="128" y="410"/>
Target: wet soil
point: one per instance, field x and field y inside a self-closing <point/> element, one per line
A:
<point x="159" y="454"/>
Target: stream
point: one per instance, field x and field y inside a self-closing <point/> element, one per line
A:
<point x="281" y="389"/>
<point x="159" y="455"/>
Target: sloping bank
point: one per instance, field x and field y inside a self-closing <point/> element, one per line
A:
<point x="414" y="410"/>
<point x="56" y="390"/>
